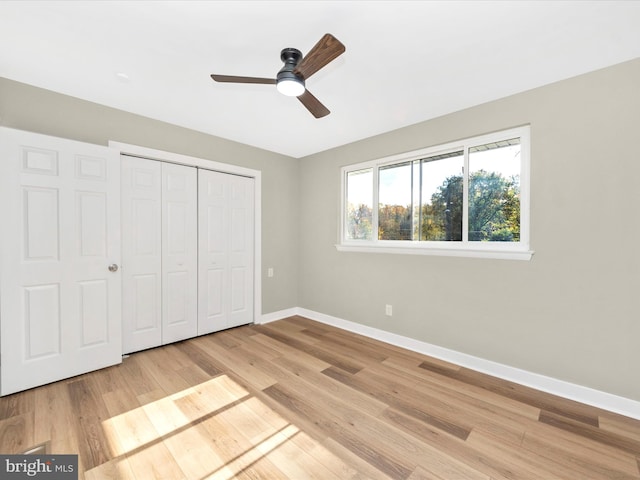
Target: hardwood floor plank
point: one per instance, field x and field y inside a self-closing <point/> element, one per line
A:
<point x="318" y="380"/>
<point x="155" y="462"/>
<point x="521" y="465"/>
<point x="624" y="427"/>
<point x="342" y="361"/>
<point x="241" y="362"/>
<point x="338" y="342"/>
<point x="154" y="363"/>
<point x="240" y="458"/>
<point x="16" y="433"/>
<point x="361" y="447"/>
<point x="451" y="403"/>
<point x="481" y="398"/>
<point x="136" y="376"/>
<point x="89" y="412"/>
<point x="385" y="393"/>
<point x="470" y="460"/>
<point x="587" y="431"/>
<point x="526" y="395"/>
<point x="52" y="415"/>
<point x="119" y="402"/>
<point x="17" y="404"/>
<point x="290" y="352"/>
<point x="116" y="469"/>
<point x="337" y="466"/>
<point x="199" y="357"/>
<point x="583" y="456"/>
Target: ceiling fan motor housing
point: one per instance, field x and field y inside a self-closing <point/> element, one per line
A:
<point x="291" y="57"/>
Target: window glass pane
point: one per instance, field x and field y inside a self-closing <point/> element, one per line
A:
<point x="359" y="214"/>
<point x="494" y="192"/>
<point x="441" y="205"/>
<point x="395" y="202"/>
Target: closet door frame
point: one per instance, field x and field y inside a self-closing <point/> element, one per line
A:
<point x="153" y="154"/>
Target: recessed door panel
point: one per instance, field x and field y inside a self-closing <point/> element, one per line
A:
<point x="42" y="321"/>
<point x="176" y="299"/>
<point x="145" y="314"/>
<point x="177" y="233"/>
<point x="215" y="291"/>
<point x="216" y="238"/>
<point x="91" y="168"/>
<point x="92" y="223"/>
<point x="238" y="294"/>
<point x="145" y="227"/>
<point x="94" y="309"/>
<point x="39" y="161"/>
<point x="40" y="223"/>
<point x="238" y="229"/>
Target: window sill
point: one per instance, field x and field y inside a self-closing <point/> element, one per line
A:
<point x="501" y="254"/>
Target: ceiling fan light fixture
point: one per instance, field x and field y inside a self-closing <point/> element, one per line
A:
<point x="290" y="86"/>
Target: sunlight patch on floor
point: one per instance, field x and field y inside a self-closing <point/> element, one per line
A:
<point x="214" y="430"/>
<point x="138" y="427"/>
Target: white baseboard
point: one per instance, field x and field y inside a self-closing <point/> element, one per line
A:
<point x="586" y="395"/>
<point x="272" y="317"/>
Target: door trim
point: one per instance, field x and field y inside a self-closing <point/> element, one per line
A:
<point x="153" y="154"/>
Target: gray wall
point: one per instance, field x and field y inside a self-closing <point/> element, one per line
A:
<point x="572" y="312"/>
<point x="28" y="108"/>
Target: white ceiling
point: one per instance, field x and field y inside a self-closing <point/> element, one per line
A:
<point x="405" y="62"/>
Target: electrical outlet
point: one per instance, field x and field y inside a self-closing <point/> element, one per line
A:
<point x="270" y="272"/>
<point x="388" y="310"/>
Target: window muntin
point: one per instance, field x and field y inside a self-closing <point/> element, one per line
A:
<point x="467" y="196"/>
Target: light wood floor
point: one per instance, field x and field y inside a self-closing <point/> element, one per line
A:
<point x="296" y="399"/>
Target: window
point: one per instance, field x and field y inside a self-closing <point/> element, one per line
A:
<point x="470" y="198"/>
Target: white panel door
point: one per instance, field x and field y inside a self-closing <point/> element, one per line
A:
<point x="60" y="305"/>
<point x="179" y="252"/>
<point x="226" y="241"/>
<point x="141" y="254"/>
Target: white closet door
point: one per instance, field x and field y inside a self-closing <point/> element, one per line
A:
<point x="60" y="305"/>
<point x="179" y="252"/>
<point x="226" y="208"/>
<point x="241" y="203"/>
<point x="141" y="254"/>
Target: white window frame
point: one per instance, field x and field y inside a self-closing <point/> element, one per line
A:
<point x="465" y="248"/>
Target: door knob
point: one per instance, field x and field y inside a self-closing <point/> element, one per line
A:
<point x="113" y="267"/>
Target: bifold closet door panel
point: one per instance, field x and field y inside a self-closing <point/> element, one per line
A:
<point x="159" y="215"/>
<point x="226" y="242"/>
<point x="142" y="253"/>
<point x="179" y="252"/>
<point x="241" y="234"/>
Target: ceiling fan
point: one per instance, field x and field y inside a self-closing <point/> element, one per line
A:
<point x="291" y="78"/>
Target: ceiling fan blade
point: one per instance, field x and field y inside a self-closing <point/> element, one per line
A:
<point x="326" y="50"/>
<point x="312" y="104"/>
<point x="233" y="79"/>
